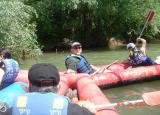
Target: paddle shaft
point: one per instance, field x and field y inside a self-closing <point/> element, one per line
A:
<point x="105" y="67"/>
<point x="151" y="99"/>
<point x="148" y="19"/>
<point x="125" y="103"/>
<point x="145" y="25"/>
<point x="112" y="64"/>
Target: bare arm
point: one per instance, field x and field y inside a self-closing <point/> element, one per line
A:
<point x="71" y="66"/>
<point x="143" y="47"/>
<point x="94" y="68"/>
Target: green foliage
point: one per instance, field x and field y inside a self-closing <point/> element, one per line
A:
<point x="17" y="28"/>
<point x="93" y="22"/>
<point x="125" y="18"/>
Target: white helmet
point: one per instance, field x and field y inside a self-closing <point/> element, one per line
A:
<point x="131" y="45"/>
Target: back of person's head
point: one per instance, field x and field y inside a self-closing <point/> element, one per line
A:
<point x="6" y="54"/>
<point x="1" y="51"/>
<point x="43" y="78"/>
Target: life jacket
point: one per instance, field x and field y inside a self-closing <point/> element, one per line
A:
<point x="40" y="104"/>
<point x="11" y="69"/>
<point x="139" y="59"/>
<point x="9" y="93"/>
<point x="83" y="66"/>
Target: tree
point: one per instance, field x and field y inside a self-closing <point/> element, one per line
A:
<point x="17" y="28"/>
<point x="93" y="22"/>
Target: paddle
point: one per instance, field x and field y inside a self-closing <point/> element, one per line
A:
<point x="101" y="70"/>
<point x="148" y="19"/>
<point x="151" y="98"/>
<point x="111" y="64"/>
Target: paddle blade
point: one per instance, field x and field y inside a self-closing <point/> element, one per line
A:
<point x="152" y="98"/>
<point x="150" y="16"/>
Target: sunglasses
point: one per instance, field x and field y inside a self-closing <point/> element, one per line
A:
<point x="78" y="47"/>
<point x="130" y="48"/>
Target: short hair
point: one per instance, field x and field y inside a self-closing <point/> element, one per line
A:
<point x="1" y="51"/>
<point x="6" y="53"/>
<point x="53" y="89"/>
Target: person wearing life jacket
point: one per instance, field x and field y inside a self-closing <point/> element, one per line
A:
<point x="139" y="57"/>
<point x="42" y="99"/>
<point x="10" y="67"/>
<point x="77" y="63"/>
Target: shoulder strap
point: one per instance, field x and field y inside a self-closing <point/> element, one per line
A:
<point x="84" y="58"/>
<point x="72" y="56"/>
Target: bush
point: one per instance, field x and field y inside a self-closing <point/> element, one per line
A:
<point x="17" y="29"/>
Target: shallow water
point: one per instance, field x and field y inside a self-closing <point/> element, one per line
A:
<point x="134" y="92"/>
<point x="103" y="57"/>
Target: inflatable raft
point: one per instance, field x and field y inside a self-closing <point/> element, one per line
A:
<point x="120" y="74"/>
<point x="123" y="75"/>
<point x="87" y="90"/>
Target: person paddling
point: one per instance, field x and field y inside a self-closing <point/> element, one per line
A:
<point x="139" y="57"/>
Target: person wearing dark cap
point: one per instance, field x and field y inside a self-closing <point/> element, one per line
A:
<point x="42" y="99"/>
<point x="77" y="63"/>
<point x="10" y="67"/>
<point x="138" y="57"/>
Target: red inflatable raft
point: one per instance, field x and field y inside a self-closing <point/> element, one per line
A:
<point x="88" y="90"/>
<point x="120" y="75"/>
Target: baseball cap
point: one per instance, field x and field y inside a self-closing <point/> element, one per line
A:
<point x="42" y="75"/>
<point x="74" y="44"/>
<point x="131" y="45"/>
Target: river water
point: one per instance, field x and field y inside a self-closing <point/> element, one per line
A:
<point x="134" y="92"/>
<point x="123" y="93"/>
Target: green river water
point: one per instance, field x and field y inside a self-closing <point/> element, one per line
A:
<point x="103" y="57"/>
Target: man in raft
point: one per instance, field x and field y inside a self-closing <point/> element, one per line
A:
<point x="43" y="100"/>
<point x="139" y="57"/>
<point x="77" y="63"/>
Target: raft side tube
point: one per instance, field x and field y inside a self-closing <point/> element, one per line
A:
<point x="88" y="90"/>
